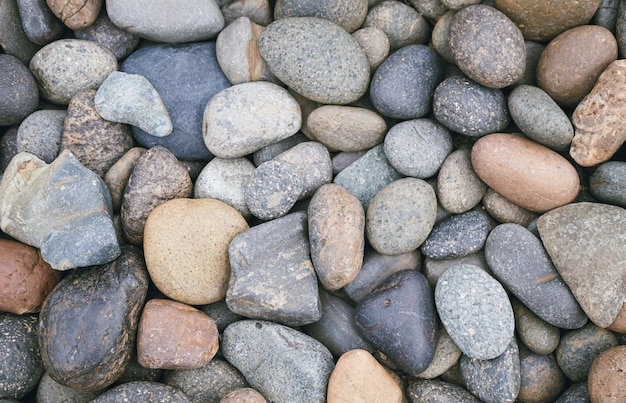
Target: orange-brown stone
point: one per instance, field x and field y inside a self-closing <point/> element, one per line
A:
<point x="607" y="376"/>
<point x="76" y="14"/>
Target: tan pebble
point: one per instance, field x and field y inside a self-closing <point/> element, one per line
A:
<point x="243" y="395"/>
<point x="117" y="176"/>
<point x="76" y="14"/>
<point x="619" y="324"/>
<point x="607" y="376"/>
<point x="506" y="211"/>
<point x="526" y="173"/>
<point x="374" y="43"/>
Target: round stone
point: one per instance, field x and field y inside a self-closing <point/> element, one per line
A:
<point x="348" y="14"/>
<point x="19" y="95"/>
<point x="578" y="392"/>
<point x="606" y="375"/>
<point x="542" y="379"/>
<point x="458" y="236"/>
<point x="505" y="211"/>
<point x="39" y="23"/>
<point x="186" y="248"/>
<point x="402" y="23"/>
<point x="459" y="189"/>
<point x="108" y="35"/>
<point x="540" y="337"/>
<point x="608" y="183"/>
<point x="375" y="44"/>
<point x="142" y="390"/>
<point x="258" y="11"/>
<point x="40" y="134"/>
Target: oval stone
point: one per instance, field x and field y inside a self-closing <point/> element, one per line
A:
<point x="403" y="24"/>
<point x="458" y="236"/>
<point x="541" y="378"/>
<point x="375" y="44"/>
<point x="606" y="375"/>
<point x="505" y="211"/>
<point x="19" y="95"/>
<point x="40" y="134"/>
<point x="459" y="189"/>
<point x="316" y="58"/>
<point x="608" y="183"/>
<point x="539" y="336"/>
<point x="348" y="14"/>
<point x="142" y="390"/>
<point x="528" y="174"/>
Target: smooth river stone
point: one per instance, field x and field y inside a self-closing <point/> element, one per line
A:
<point x="348" y="14"/>
<point x="116" y="178"/>
<point x="505" y="211"/>
<point x="606" y="376"/>
<point x="446" y="355"/>
<point x="427" y="390"/>
<point x="459" y="189"/>
<point x="63" y="208"/>
<point x="168" y="21"/>
<point x="110" y="36"/>
<point x="572" y="62"/>
<point x="577" y="238"/>
<point x="398" y="318"/>
<point x="608" y="183"/>
<point x="541" y="378"/>
<point x="76" y="14"/>
<point x="40" y="133"/>
<point x="528" y="174"/>
<point x="519" y="261"/>
<point x="273" y="189"/>
<point x="403" y="24"/>
<point x="246" y="117"/>
<point x="19" y="95"/>
<point x="142" y="390"/>
<point x="67" y="66"/>
<point x="258" y="11"/>
<point x="475" y="310"/>
<point x="186" y="248"/>
<point x="280" y="362"/>
<point x="440" y="35"/>
<point x="316" y="58"/>
<point x="400" y="216"/>
<point x="606" y="14"/>
<point x="375" y="44"/>
<point x="458" y="236"/>
<point x="540" y="337"/>
<point x="269" y="152"/>
<point x="88" y="323"/>
<point x="434" y="268"/>
<point x="13" y="40"/>
<point x="597" y="118"/>
<point x="487" y="46"/>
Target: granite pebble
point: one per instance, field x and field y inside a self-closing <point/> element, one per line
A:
<point x="50" y="391"/>
<point x="273" y="189"/>
<point x="403" y="24"/>
<point x="608" y="183"/>
<point x="312" y="164"/>
<point x="427" y="390"/>
<point x="40" y="134"/>
<point x="458" y="236"/>
<point x="19" y="94"/>
<point x="459" y="189"/>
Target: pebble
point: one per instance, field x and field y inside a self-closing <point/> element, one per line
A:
<point x="458" y="236"/>
<point x="366" y="176"/>
<point x="8" y="147"/>
<point x="116" y="178"/>
<point x="576" y="237"/>
<point x="606" y="375"/>
<point x="273" y="189"/>
<point x="38" y="208"/>
<point x="606" y="14"/>
<point x="431" y="390"/>
<point x="19" y="95"/>
<point x="131" y="99"/>
<point x="358" y="375"/>
<point x="346" y="128"/>
<point x="417" y="147"/>
<point x="209" y="383"/>
<point x="540" y="337"/>
<point x="75" y="14"/>
<point x="50" y="391"/>
<point x="466" y="107"/>
<point x="142" y="390"/>
<point x="519" y="261"/>
<point x="541" y="378"/>
<point x="39" y="23"/>
<point x="13" y="39"/>
<point x="40" y="134"/>
<point x="495" y="380"/>
<point x="186" y="248"/>
<point x="598" y="135"/>
<point x="579" y="348"/>
<point x="446" y="355"/>
<point x="349" y="15"/>
<point x="281" y="363"/>
<point x="219" y="312"/>
<point x="608" y="183"/>
<point x="108" y="35"/>
<point x="475" y="310"/>
<point x="459" y="189"/>
<point x="533" y="53"/>
<point x="65" y="67"/>
<point x="316" y="58"/>
<point x="135" y="372"/>
<point x="398" y="318"/>
<point x="487" y="46"/>
<point x="403" y="24"/>
<point x="577" y="393"/>
<point x="431" y="9"/>
<point x="440" y="35"/>
<point x="21" y="365"/>
<point x="401" y="216"/>
<point x="269" y="152"/>
<point x="434" y="268"/>
<point x="524" y="172"/>
<point x="157" y="177"/>
<point x="26" y="279"/>
<point x="243" y="395"/>
<point x="172" y="70"/>
<point x="342" y="159"/>
<point x="272" y="276"/>
<point x="540" y="118"/>
<point x="89" y="322"/>
<point x="258" y="11"/>
<point x="619" y="324"/>
<point x="374" y="43"/>
<point x="168" y="21"/>
<point x="572" y="62"/>
<point x="402" y="87"/>
<point x="505" y="211"/>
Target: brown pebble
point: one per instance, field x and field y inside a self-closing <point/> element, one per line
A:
<point x="76" y="14"/>
<point x="505" y="211"/>
<point x="619" y="324"/>
<point x="607" y="376"/>
<point x="117" y="176"/>
<point x="243" y="395"/>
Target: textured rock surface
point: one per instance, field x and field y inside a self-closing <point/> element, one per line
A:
<point x="116" y="178"/>
<point x="541" y="378"/>
<point x="459" y="189"/>
<point x="349" y="15"/>
<point x="375" y="44"/>
<point x="50" y="391"/>
<point x="273" y="189"/>
<point x="506" y="211"/>
<point x="138" y="390"/>
<point x="606" y="375"/>
<point x="422" y="390"/>
<point x="608" y="183"/>
<point x="76" y="14"/>
<point x="458" y="236"/>
<point x="446" y="355"/>
<point x="13" y="40"/>
<point x="243" y="395"/>
<point x="108" y="35"/>
<point x="40" y="134"/>
<point x="403" y="24"/>
<point x="19" y="95"/>
<point x="539" y="336"/>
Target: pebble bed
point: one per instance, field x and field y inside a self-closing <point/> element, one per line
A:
<point x="307" y="201"/>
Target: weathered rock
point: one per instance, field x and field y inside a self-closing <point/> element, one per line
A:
<point x="459" y="189"/>
<point x="403" y="24"/>
<point x="540" y="337"/>
<point x="19" y="95"/>
<point x="349" y="15"/>
<point x="13" y="39"/>
<point x="108" y="35"/>
<point x="40" y="134"/>
<point x="506" y="211"/>
<point x="608" y="183"/>
<point x="76" y="14"/>
<point x="446" y="355"/>
<point x="269" y="152"/>
<point x="116" y="178"/>
<point x="606" y="376"/>
<point x="458" y="236"/>
<point x="273" y="189"/>
<point x="50" y="391"/>
<point x="243" y="395"/>
<point x="374" y="43"/>
<point x="541" y="378"/>
<point x="422" y="390"/>
<point x="142" y="390"/>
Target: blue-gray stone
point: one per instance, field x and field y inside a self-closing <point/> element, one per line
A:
<point x="40" y="133"/>
<point x="608" y="183"/>
<point x="458" y="236"/>
<point x="39" y="23"/>
<point x="146" y="391"/>
<point x="19" y="95"/>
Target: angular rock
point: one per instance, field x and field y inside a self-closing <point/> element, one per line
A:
<point x="13" y="39"/>
<point x="608" y="183"/>
<point x="403" y="24"/>
<point x="19" y="95"/>
<point x="374" y="43"/>
<point x="446" y="355"/>
<point x="506" y="211"/>
<point x="459" y="189"/>
<point x="142" y="390"/>
<point x="540" y="337"/>
<point x="273" y="189"/>
<point x="116" y="178"/>
<point x="349" y="15"/>
<point x="40" y="134"/>
<point x="108" y="35"/>
<point x="458" y="236"/>
<point x="422" y="390"/>
<point x="76" y="14"/>
<point x="541" y="378"/>
<point x="606" y="375"/>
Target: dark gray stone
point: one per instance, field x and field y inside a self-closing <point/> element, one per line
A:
<point x="88" y="323"/>
<point x="8" y="147"/>
<point x="467" y="107"/>
<point x="620" y="28"/>
<point x="458" y="236"/>
<point x="398" y="318"/>
<point x="40" y="134"/>
<point x="144" y="391"/>
<point x="20" y="362"/>
<point x="13" y="39"/>
<point x="39" y="23"/>
<point x="135" y="372"/>
<point x="541" y="378"/>
<point x="608" y="183"/>
<point x="533" y="53"/>
<point x="349" y="15"/>
<point x="606" y="14"/>
<point x="280" y="362"/>
<point x="577" y="393"/>
<point x="402" y="87"/>
<point x="172" y="70"/>
<point x="267" y="153"/>
<point x="434" y="391"/>
<point x="219" y="312"/>
<point x="108" y="35"/>
<point x="19" y="95"/>
<point x="50" y="391"/>
<point x="272" y="276"/>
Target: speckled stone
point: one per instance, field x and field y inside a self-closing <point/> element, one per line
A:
<point x="20" y="363"/>
<point x="40" y="134"/>
<point x="219" y="312"/>
<point x="8" y="147"/>
<point x="440" y="34"/>
<point x="135" y="372"/>
<point x="540" y="118"/>
<point x="458" y="236"/>
<point x="606" y="376"/>
<point x="402" y="87"/>
<point x="459" y="189"/>
<point x="280" y="362"/>
<point x="13" y="39"/>
<point x="65" y="67"/>
<point x="209" y="383"/>
<point x="116" y="178"/>
<point x="76" y="14"/>
<point x="19" y="95"/>
<point x="487" y="46"/>
<point x="431" y="9"/>
<point x="403" y="24"/>
<point x="140" y="390"/>
<point x="423" y="390"/>
<point x="50" y="391"/>
<point x="505" y="211"/>
<point x="243" y="395"/>
<point x="541" y="378"/>
<point x="446" y="355"/>
<point x="608" y="183"/>
<point x="475" y="310"/>
<point x="434" y="268"/>
<point x="348" y="14"/>
<point x="417" y="147"/>
<point x="400" y="216"/>
<point x="540" y="337"/>
<point x="577" y="237"/>
<point x="398" y="318"/>
<point x="467" y="107"/>
<point x="272" y="276"/>
<point x="88" y="323"/>
<point x="577" y="393"/>
<point x="108" y="35"/>
<point x="258" y="11"/>
<point x="374" y="43"/>
<point x="564" y="74"/>
<point x="269" y="152"/>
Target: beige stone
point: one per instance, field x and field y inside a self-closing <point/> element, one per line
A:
<point x="117" y="176"/>
<point x="505" y="211"/>
<point x="243" y="395"/>
<point x="76" y="14"/>
<point x="186" y="248"/>
<point x="607" y="376"/>
<point x="375" y="45"/>
<point x="358" y="377"/>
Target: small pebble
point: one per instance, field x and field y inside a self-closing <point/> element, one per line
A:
<point x="142" y="390"/>
<point x="505" y="211"/>
<point x="343" y="159"/>
<point x="446" y="355"/>
<point x="13" y="39"/>
<point x="533" y="53"/>
<point x="577" y="393"/>
<point x="430" y="390"/>
<point x="606" y="376"/>
<point x="434" y="268"/>
<point x="8" y="147"/>
<point x="440" y="35"/>
<point x="116" y="178"/>
<point x="40" y="25"/>
<point x="349" y="15"/>
<point x="219" y="312"/>
<point x="40" y="134"/>
<point x="108" y="35"/>
<point x="608" y="183"/>
<point x="402" y="23"/>
<point x="312" y="163"/>
<point x="458" y="236"/>
<point x="374" y="43"/>
<point x="540" y="337"/>
<point x="76" y="14"/>
<point x="273" y="189"/>
<point x="459" y="189"/>
<point x="19" y="95"/>
<point x="269" y="152"/>
<point x="243" y="395"/>
<point x="258" y="11"/>
<point x="541" y="378"/>
<point x="606" y="14"/>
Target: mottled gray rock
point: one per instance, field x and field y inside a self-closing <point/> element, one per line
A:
<point x="400" y="216"/>
<point x="457" y="236"/>
<point x="446" y="355"/>
<point x="459" y="189"/>
<point x="50" y="391"/>
<point x="268" y="152"/>
<point x="431" y="9"/>
<point x="417" y="147"/>
<point x="258" y="11"/>
<point x="312" y="163"/>
<point x="403" y="24"/>
<point x="39" y="23"/>
<point x="577" y="237"/>
<point x="142" y="391"/>
<point x="316" y="58"/>
<point x="608" y="183"/>
<point x="541" y="378"/>
<point x="40" y="134"/>
<point x="505" y="211"/>
<point x="63" y="208"/>
<point x="281" y="363"/>
<point x="131" y="99"/>
<point x="375" y="44"/>
<point x="348" y="14"/>
<point x="219" y="312"/>
<point x="434" y="268"/>
<point x="475" y="310"/>
<point x="19" y="95"/>
<point x="540" y="337"/>
<point x="108" y="35"/>
<point x="533" y="53"/>
<point x="272" y="276"/>
<point x="426" y="390"/>
<point x="577" y="393"/>
<point x="13" y="39"/>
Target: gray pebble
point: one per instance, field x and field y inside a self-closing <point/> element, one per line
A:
<point x="8" y="147"/>
<point x="375" y="44"/>
<point x="540" y="337"/>
<point x="258" y="11"/>
<point x="608" y="183"/>
<point x="50" y="391"/>
<point x="40" y="133"/>
<point x="577" y="393"/>
<point x="19" y="95"/>
<point x="312" y="163"/>
<point x="153" y="392"/>
<point x="268" y="152"/>
<point x="533" y="53"/>
<point x="39" y="23"/>
<point x="446" y="355"/>
<point x="505" y="211"/>
<point x="457" y="236"/>
<point x="459" y="189"/>
<point x="434" y="268"/>
<point x="219" y="312"/>
<point x="402" y="23"/>
<point x="13" y="39"/>
<point x="349" y="15"/>
<point x="108" y="35"/>
<point x="435" y="391"/>
<point x="440" y="34"/>
<point x="343" y="159"/>
<point x="606" y="14"/>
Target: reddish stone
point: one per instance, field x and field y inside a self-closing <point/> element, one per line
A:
<point x="607" y="376"/>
